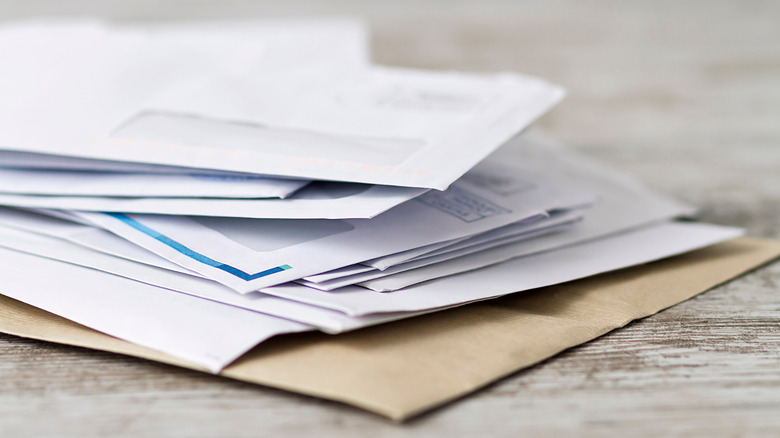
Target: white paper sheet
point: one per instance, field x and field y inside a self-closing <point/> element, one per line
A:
<point x="200" y="331"/>
<point x="247" y="255"/>
<point x="184" y="101"/>
<point x="318" y="200"/>
<point x="76" y="183"/>
<point x="565" y="264"/>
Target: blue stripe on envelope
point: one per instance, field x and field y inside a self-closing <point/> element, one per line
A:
<point x="194" y="254"/>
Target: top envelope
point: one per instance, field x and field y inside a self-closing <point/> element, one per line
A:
<point x="148" y="98"/>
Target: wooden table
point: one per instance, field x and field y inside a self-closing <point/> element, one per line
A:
<point x="685" y="95"/>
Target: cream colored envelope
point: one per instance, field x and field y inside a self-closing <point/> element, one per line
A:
<point x="404" y="368"/>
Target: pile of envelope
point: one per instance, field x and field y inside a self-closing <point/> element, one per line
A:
<point x="199" y="188"/>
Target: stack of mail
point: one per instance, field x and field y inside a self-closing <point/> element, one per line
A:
<point x="199" y="188"/>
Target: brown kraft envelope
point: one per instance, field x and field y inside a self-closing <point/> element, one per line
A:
<point x="404" y="368"/>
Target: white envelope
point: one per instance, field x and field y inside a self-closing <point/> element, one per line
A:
<point x="459" y="250"/>
<point x="149" y="57"/>
<point x="558" y="220"/>
<point x="202" y="103"/>
<point x="204" y="332"/>
<point x="84" y="235"/>
<point x="507" y="231"/>
<point x="74" y="183"/>
<point x="318" y="200"/>
<point x="622" y="204"/>
<point x="330" y="321"/>
<point x="249" y="254"/>
<point x="564" y="264"/>
<point x="34" y="161"/>
<point x="400" y="257"/>
<point x="327" y="320"/>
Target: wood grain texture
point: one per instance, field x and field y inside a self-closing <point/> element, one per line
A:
<point x="685" y="95"/>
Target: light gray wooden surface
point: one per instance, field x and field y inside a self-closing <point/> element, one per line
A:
<point x="684" y="94"/>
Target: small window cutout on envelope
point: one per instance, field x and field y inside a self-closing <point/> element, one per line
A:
<point x="190" y="130"/>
